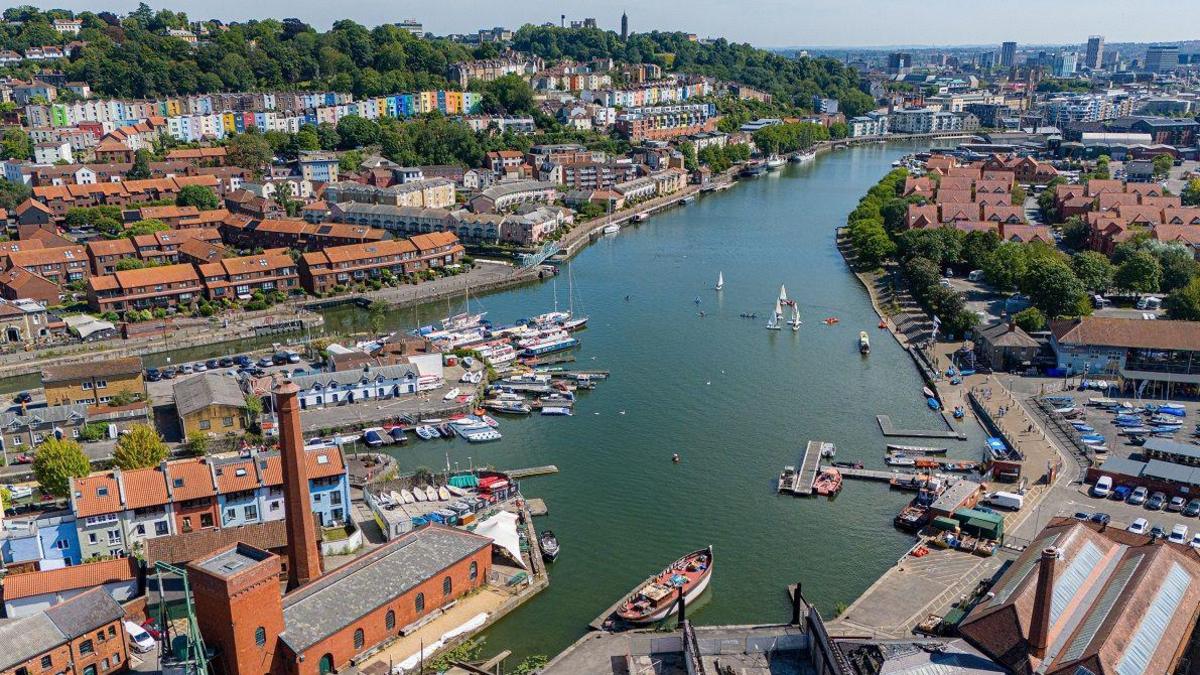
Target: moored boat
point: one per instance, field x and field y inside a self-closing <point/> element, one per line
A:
<point x="828" y="482"/>
<point x="374" y="437"/>
<point x="612" y="228"/>
<point x="451" y="395"/>
<point x="864" y="342"/>
<point x="786" y="477"/>
<point x="916" y="449"/>
<point x="549" y="545"/>
<point x="658" y="597"/>
<point x="899" y="460"/>
<point x="397" y="434"/>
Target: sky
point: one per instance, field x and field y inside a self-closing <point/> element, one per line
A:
<point x="765" y="23"/>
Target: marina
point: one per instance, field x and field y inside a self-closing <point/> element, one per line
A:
<point x="809" y="463"/>
<point x="889" y="429"/>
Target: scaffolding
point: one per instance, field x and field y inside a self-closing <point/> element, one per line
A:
<point x="181" y="647"/>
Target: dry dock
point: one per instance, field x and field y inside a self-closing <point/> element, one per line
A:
<point x="888" y="429"/>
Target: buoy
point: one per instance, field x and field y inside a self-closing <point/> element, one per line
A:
<point x="675" y="457"/>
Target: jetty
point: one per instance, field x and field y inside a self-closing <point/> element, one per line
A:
<point x="536" y="506"/>
<point x="874" y="474"/>
<point x="809" y="465"/>
<point x="545" y="470"/>
<point x="888" y="429"/>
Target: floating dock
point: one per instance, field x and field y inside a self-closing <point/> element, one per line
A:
<point x="885" y="425"/>
<point x="809" y="465"/>
<point x="532" y="471"/>
<point x="536" y="506"/>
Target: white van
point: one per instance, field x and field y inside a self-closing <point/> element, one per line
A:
<point x="1006" y="500"/>
<point x="975" y="275"/>
<point x="1103" y="487"/>
<point x="1149" y="302"/>
<point x="139" y="639"/>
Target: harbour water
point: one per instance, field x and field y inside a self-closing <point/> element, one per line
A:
<point x="736" y="401"/>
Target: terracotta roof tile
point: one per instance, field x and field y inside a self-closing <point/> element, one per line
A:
<point x="144" y="487"/>
<point x="95" y="495"/>
<point x="190" y="479"/>
<point x="87" y="575"/>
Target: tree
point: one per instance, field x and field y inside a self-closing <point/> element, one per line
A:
<point x="1005" y="266"/>
<point x="15" y="144"/>
<point x="1191" y="193"/>
<point x="350" y="161"/>
<point x="250" y="151"/>
<point x="147" y="226"/>
<point x="56" y="462"/>
<point x="141" y="166"/>
<point x="198" y="196"/>
<point x="1075" y="233"/>
<point x="1053" y="288"/>
<point x="1140" y="273"/>
<point x="12" y="194"/>
<point x="839" y="130"/>
<point x="254" y="407"/>
<point x="356" y="132"/>
<point x="508" y="95"/>
<point x="977" y="245"/>
<point x="1178" y="267"/>
<point x="1162" y="165"/>
<point x="1030" y="319"/>
<point x="140" y="447"/>
<point x="1184" y="303"/>
<point x="197" y="444"/>
<point x="1093" y="270"/>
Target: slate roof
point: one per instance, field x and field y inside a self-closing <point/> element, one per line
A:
<point x="27" y="637"/>
<point x="85" y="612"/>
<point x="336" y="600"/>
<point x="130" y="365"/>
<point x="348" y="377"/>
<point x="197" y="393"/>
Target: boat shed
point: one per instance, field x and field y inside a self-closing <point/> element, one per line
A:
<point x="981" y="523"/>
<point x="962" y="494"/>
<point x="1172" y="451"/>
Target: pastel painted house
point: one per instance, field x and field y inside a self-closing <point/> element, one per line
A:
<point x="43" y="542"/>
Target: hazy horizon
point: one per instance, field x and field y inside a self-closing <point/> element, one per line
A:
<point x="851" y="24"/>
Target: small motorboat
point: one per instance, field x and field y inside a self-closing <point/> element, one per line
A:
<point x="426" y="432"/>
<point x="899" y="460"/>
<point x="398" y="435"/>
<point x="443" y="494"/>
<point x="431" y="494"/>
<point x="933" y="404"/>
<point x="1079" y="426"/>
<point x="657" y="598"/>
<point x="959" y="413"/>
<point x="830" y="320"/>
<point x="786" y="478"/>
<point x="916" y="449"/>
<point x="864" y="342"/>
<point x="419" y="494"/>
<point x="956" y="380"/>
<point x="556" y="410"/>
<point x="549" y="544"/>
<point x="452" y="394"/>
<point x="675" y="458"/>
<point x="612" y="228"/>
<point x="406" y="496"/>
<point x="373" y="437"/>
<point x="928" y="392"/>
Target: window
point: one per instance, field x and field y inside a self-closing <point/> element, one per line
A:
<point x="389" y="621"/>
<point x="260" y="636"/>
<point x="227" y="421"/>
<point x="100" y="636"/>
<point x="447" y="586"/>
<point x="87" y="385"/>
<point x="335" y="515"/>
<point x="86" y="647"/>
<point x="359" y="639"/>
<point x="141" y="529"/>
<point x="160" y="528"/>
<point x="91" y="537"/>
<point x="230" y="514"/>
<point x="48" y="661"/>
<point x="206" y="520"/>
<point x="62" y="544"/>
<point x="251" y="512"/>
<point x="187" y="525"/>
<point x="112" y="632"/>
<point x="205" y="425"/>
<point x="335" y="498"/>
<point x="101" y="384"/>
<point x="17" y="440"/>
<point x="474" y="573"/>
<point x="420" y="602"/>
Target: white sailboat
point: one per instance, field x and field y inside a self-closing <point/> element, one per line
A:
<point x="795" y="320"/>
<point x="776" y="321"/>
<point x="783" y="299"/>
<point x="720" y="281"/>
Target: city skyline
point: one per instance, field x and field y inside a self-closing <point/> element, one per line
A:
<point x="800" y="24"/>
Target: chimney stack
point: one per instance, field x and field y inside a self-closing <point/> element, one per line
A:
<point x="1039" y="623"/>
<point x="304" y="557"/>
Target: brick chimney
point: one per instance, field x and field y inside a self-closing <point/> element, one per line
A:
<point x="304" y="558"/>
<point x="1039" y="623"/>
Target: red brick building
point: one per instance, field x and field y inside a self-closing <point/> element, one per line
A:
<point x="296" y="234"/>
<point x="80" y="636"/>
<point x="151" y="288"/>
<point x="321" y="271"/>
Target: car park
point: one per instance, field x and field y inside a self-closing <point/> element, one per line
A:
<point x="1178" y="534"/>
<point x="1139" y="526"/>
<point x="1138" y="496"/>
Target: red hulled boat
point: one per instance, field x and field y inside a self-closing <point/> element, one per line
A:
<point x="658" y="597"/>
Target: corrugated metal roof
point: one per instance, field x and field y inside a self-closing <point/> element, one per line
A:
<point x="1101" y="609"/>
<point x="1154" y="623"/>
<point x="1178" y="473"/>
<point x="1069" y="582"/>
<point x="1024" y="569"/>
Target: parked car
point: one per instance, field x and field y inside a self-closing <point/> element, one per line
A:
<point x="226" y="362"/>
<point x="1195" y="542"/>
<point x="149" y="627"/>
<point x="1102" y="518"/>
<point x="1176" y="504"/>
<point x="1006" y="500"/>
<point x="975" y="275"/>
<point x="1139" y="526"/>
<point x="293" y="357"/>
<point x="242" y="360"/>
<point x="23" y="397"/>
<point x="212" y="364"/>
<point x="1083" y="516"/>
<point x="265" y="362"/>
<point x="1102" y="487"/>
<point x="153" y="375"/>
<point x="1192" y="509"/>
<point x="169" y="373"/>
<point x="1178" y="534"/>
<point x="1138" y="496"/>
<point x="1157" y="532"/>
<point x="1156" y="501"/>
<point x="199" y="367"/>
<point x="19" y="491"/>
<point x="186" y="369"/>
<point x="1121" y="493"/>
<point x="23" y="459"/>
<point x="279" y="358"/>
<point x="139" y="639"/>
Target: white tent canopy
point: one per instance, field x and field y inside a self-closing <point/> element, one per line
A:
<point x="502" y="530"/>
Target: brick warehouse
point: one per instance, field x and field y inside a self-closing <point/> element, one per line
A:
<point x="326" y="621"/>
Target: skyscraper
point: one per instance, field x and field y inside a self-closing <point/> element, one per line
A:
<point x="1008" y="54"/>
<point x="624" y="26"/>
<point x="1094" y="59"/>
<point x="1161" y="58"/>
<point x="1065" y="64"/>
